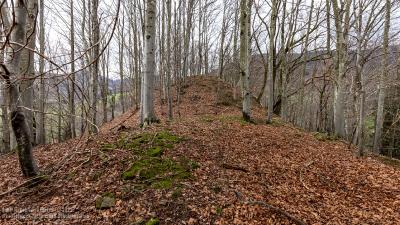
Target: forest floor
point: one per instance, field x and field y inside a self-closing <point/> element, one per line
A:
<point x="207" y="166"/>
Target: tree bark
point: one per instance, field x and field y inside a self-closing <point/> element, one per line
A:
<point x="148" y="115"/>
<point x="95" y="67"/>
<point x="382" y="86"/>
<point x="271" y="61"/>
<point x="72" y="122"/>
<point x="13" y="78"/>
<point x="244" y="59"/>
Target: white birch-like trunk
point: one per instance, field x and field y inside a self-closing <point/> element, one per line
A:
<point x="244" y="59"/>
<point x="341" y="48"/>
<point x="12" y="76"/>
<point x="147" y="104"/>
<point x="382" y="86"/>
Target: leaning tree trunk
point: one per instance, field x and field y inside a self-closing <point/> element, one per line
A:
<point x="11" y="75"/>
<point x="244" y="59"/>
<point x="147" y="105"/>
<point x="381" y="87"/>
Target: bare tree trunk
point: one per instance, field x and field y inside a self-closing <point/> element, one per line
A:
<point x="41" y="134"/>
<point x="186" y="41"/>
<point x="104" y="85"/>
<point x="95" y="67"/>
<point x="27" y="66"/>
<point x="169" y="66"/>
<point x="244" y="59"/>
<point x="341" y="23"/>
<point x="147" y="104"/>
<point x="121" y="64"/>
<point x="59" y="116"/>
<point x="271" y="61"/>
<point x="72" y="78"/>
<point x="12" y="76"/>
<point x="4" y="94"/>
<point x="302" y="105"/>
<point x="382" y="86"/>
<point x="222" y="44"/>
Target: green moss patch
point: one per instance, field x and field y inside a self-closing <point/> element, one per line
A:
<point x="153" y="221"/>
<point x="142" y="142"/>
<point x="325" y="137"/>
<point x="158" y="173"/>
<point x="225" y="119"/>
<point x="152" y="169"/>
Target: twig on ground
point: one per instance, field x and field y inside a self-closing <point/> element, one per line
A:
<point x="29" y="183"/>
<point x="234" y="167"/>
<point x="275" y="209"/>
<point x="302" y="171"/>
<point x="123" y="121"/>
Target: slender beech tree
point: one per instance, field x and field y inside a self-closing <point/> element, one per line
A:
<point x="148" y="115"/>
<point x="11" y="74"/>
<point x="342" y="23"/>
<point x="95" y="66"/>
<point x="244" y="59"/>
<point x="121" y="62"/>
<point x="301" y="106"/>
<point x="382" y="85"/>
<point x="72" y="77"/>
<point x="271" y="60"/>
<point x="6" y="135"/>
<point x="40" y="126"/>
<point x="169" y="62"/>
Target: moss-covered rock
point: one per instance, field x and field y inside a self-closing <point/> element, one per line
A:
<point x="105" y="201"/>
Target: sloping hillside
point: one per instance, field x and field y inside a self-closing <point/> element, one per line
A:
<point x="206" y="167"/>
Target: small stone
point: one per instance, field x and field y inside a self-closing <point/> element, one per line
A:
<point x="106" y="201"/>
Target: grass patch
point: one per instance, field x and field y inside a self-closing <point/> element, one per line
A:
<point x="277" y="122"/>
<point x="224" y="119"/>
<point x="158" y="173"/>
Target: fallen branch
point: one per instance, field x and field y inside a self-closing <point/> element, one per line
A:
<point x="29" y="183"/>
<point x="270" y="207"/>
<point x="123" y="121"/>
<point x="234" y="167"/>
